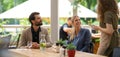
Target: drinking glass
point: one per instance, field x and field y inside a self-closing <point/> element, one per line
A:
<point x="29" y="44"/>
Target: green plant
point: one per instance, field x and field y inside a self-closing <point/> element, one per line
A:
<point x="70" y="46"/>
<point x="61" y="41"/>
<point x="1" y="26"/>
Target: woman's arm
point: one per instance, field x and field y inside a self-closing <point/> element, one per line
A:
<point x="108" y="30"/>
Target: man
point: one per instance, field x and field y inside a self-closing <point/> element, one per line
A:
<point x="65" y="29"/>
<point x="34" y="33"/>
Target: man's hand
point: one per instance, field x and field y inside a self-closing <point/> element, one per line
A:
<point x="35" y="45"/>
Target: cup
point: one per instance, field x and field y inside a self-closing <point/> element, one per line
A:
<point x="29" y="44"/>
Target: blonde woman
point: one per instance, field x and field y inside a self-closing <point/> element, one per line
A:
<point x="80" y="37"/>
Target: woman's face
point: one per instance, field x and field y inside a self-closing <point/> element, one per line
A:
<point x="76" y="22"/>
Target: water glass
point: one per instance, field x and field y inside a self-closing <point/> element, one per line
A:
<point x="29" y="44"/>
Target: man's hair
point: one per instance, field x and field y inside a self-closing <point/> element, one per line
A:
<point x="32" y="16"/>
<point x="69" y="18"/>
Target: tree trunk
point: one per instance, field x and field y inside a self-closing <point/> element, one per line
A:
<point x="75" y="11"/>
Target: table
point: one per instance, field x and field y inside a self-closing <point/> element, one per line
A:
<point x="95" y="40"/>
<point x="47" y="53"/>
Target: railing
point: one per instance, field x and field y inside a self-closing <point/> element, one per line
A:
<point x="15" y="27"/>
<point x="25" y="26"/>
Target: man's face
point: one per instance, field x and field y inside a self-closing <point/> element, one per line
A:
<point x="37" y="21"/>
<point x="70" y="22"/>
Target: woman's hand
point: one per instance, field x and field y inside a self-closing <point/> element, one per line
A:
<point x="95" y="27"/>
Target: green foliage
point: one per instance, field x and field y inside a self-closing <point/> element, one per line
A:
<point x="76" y="2"/>
<point x="90" y="22"/>
<point x="24" y="21"/>
<point x="61" y="42"/>
<point x="95" y="23"/>
<point x="118" y="0"/>
<point x="90" y="4"/>
<point x="8" y="4"/>
<point x="3" y="22"/>
<point x="70" y="46"/>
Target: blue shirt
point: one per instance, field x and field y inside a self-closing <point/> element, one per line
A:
<point x="82" y="40"/>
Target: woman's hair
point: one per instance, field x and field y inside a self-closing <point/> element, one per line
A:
<point x="72" y="18"/>
<point x="106" y="5"/>
<point x="73" y="28"/>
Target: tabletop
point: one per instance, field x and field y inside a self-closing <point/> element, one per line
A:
<point x="47" y="53"/>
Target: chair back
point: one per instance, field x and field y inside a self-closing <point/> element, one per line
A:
<point x="18" y="40"/>
<point x="4" y="42"/>
<point x="116" y="52"/>
<point x="14" y="43"/>
<point x="90" y="50"/>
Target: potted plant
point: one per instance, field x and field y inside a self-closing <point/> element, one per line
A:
<point x="60" y="42"/>
<point x="71" y="50"/>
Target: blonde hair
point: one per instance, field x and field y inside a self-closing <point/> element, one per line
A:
<point x="72" y="36"/>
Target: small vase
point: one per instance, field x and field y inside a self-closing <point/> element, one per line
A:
<point x="71" y="53"/>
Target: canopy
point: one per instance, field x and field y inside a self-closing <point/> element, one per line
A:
<point x="84" y="12"/>
<point x="25" y="9"/>
<point x="44" y="7"/>
<point x="66" y="10"/>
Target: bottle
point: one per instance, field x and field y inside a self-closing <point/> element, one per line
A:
<point x="42" y="44"/>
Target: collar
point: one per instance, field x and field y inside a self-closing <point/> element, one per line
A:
<point x="39" y="29"/>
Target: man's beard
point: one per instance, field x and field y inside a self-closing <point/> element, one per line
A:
<point x="39" y="24"/>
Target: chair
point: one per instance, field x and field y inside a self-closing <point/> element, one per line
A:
<point x="4" y="42"/>
<point x="91" y="47"/>
<point x="116" y="52"/>
<point x="18" y="40"/>
<point x="14" y="43"/>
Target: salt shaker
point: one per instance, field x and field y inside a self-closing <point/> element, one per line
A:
<point x="61" y="52"/>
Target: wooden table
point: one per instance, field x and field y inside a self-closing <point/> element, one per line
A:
<point x="95" y="40"/>
<point x="47" y="53"/>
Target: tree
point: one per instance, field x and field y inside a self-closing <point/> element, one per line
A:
<point x="8" y="4"/>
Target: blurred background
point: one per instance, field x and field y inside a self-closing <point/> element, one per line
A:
<point x="14" y="14"/>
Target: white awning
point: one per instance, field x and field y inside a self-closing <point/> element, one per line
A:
<point x="25" y="9"/>
<point x="44" y="7"/>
